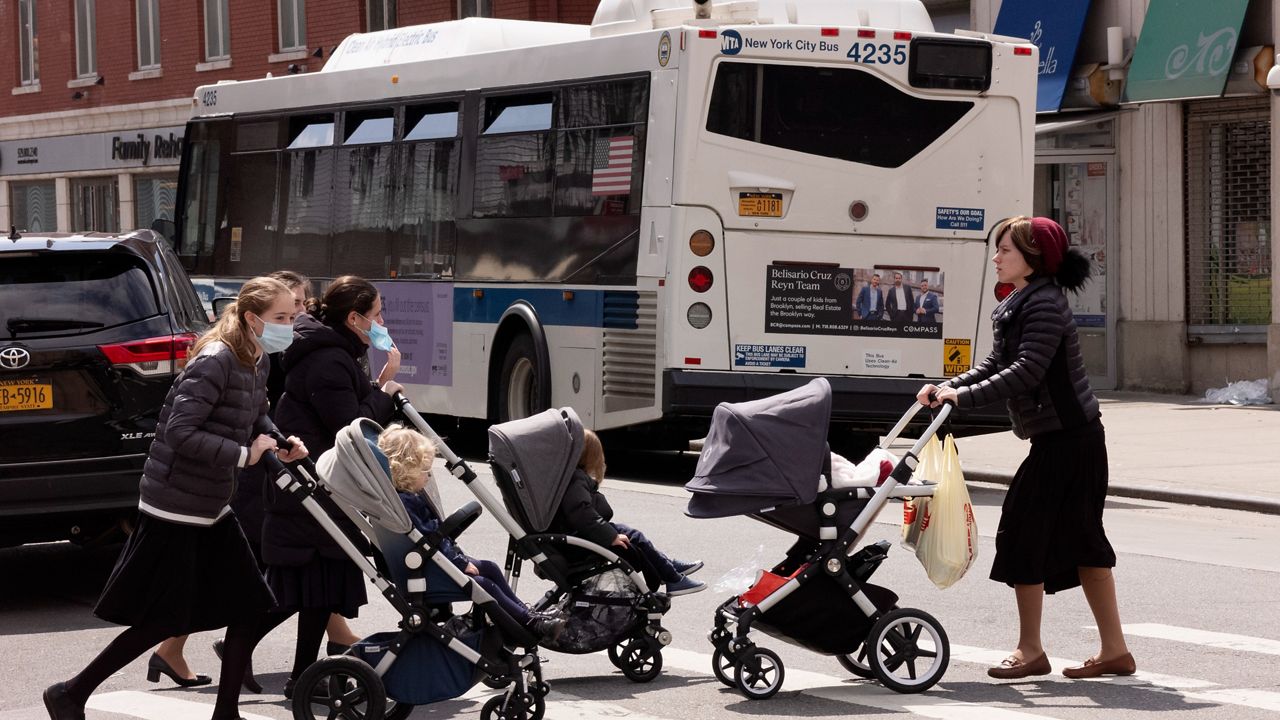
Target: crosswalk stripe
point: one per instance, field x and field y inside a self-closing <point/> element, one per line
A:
<point x="1227" y="641"/>
<point x="865" y="694"/>
<point x="155" y="706"/>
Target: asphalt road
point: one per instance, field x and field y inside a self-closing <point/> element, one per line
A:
<point x="1198" y="593"/>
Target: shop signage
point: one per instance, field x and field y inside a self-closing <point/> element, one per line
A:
<point x="1185" y="49"/>
<point x="1055" y="27"/>
<point x="95" y="151"/>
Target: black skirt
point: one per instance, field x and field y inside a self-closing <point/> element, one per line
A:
<point x="184" y="578"/>
<point x="1051" y="520"/>
<point x="323" y="583"/>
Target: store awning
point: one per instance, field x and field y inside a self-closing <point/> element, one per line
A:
<point x="1185" y="49"/>
<point x="1055" y="27"/>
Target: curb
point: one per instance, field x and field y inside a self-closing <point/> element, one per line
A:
<point x="1225" y="501"/>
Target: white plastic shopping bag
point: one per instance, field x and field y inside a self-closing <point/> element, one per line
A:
<point x="915" y="510"/>
<point x="948" y="537"/>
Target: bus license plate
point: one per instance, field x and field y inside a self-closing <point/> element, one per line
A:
<point x="760" y="204"/>
<point x="27" y="396"/>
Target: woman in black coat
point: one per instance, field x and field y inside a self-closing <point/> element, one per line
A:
<point x="1050" y="536"/>
<point x="187" y="567"/>
<point x="326" y="386"/>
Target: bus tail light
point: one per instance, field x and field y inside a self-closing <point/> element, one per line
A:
<point x="699" y="315"/>
<point x="153" y="356"/>
<point x="700" y="279"/>
<point x="858" y="210"/>
<point x="701" y="243"/>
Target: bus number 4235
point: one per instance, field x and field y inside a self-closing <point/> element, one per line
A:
<point x="882" y="54"/>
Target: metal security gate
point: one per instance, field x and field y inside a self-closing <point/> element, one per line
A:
<point x="1228" y="216"/>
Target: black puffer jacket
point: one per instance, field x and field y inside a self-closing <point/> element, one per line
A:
<point x="1035" y="365"/>
<point x="325" y="388"/>
<point x="214" y="409"/>
<point x="585" y="512"/>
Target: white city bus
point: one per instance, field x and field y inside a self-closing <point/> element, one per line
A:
<point x="643" y="217"/>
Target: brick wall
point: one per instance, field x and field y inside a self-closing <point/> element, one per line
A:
<point x="253" y="32"/>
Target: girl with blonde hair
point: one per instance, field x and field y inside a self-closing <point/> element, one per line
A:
<point x="410" y="456"/>
<point x="187" y="567"/>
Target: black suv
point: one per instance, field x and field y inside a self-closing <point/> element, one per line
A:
<point x="93" y="328"/>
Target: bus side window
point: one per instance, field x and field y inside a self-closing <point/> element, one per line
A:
<point x="425" y="230"/>
<point x="599" y="149"/>
<point x="513" y="157"/>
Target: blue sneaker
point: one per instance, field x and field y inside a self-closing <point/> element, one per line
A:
<point x="687" y="568"/>
<point x="685" y="586"/>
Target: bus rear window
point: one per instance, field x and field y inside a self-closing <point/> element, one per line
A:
<point x="841" y="113"/>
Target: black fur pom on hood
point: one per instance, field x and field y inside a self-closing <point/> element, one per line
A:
<point x="1074" y="271"/>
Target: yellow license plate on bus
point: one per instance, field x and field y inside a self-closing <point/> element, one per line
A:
<point x="760" y="204"/>
<point x="26" y="396"/>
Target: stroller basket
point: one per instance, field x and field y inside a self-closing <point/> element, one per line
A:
<point x="450" y="674"/>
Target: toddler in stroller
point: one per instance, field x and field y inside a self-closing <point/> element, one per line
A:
<point x="586" y="513"/>
<point x="410" y="456"/>
<point x="434" y="655"/>
<point x="769" y="459"/>
<point x="608" y="602"/>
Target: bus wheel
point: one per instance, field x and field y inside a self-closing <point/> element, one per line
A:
<point x="518" y="384"/>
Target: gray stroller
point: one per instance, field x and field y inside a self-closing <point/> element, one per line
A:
<point x="768" y="459"/>
<point x="608" y="599"/>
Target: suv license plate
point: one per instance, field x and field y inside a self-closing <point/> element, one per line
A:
<point x="26" y="396"/>
<point x="760" y="204"/>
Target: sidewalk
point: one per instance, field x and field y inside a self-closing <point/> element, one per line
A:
<point x="1169" y="448"/>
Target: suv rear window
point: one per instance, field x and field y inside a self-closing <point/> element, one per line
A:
<point x="841" y="113"/>
<point x="70" y="293"/>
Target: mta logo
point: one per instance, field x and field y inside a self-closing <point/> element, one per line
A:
<point x="730" y="42"/>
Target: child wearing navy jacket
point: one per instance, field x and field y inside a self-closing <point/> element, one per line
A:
<point x="410" y="456"/>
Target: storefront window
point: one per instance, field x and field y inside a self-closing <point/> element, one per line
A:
<point x="34" y="206"/>
<point x="93" y="205"/>
<point x="153" y="198"/>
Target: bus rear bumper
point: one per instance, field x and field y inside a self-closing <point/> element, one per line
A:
<point x="868" y="403"/>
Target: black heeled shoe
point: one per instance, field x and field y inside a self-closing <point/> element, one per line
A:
<point x="157" y="666"/>
<point x="249" y="682"/>
<point x="60" y="706"/>
<point x="336" y="648"/>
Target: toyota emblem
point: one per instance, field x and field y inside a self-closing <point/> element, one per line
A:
<point x="14" y="358"/>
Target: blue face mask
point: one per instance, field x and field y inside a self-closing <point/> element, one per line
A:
<point x="275" y="337"/>
<point x="378" y="335"/>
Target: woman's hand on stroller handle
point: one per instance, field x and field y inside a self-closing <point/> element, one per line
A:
<point x="287" y="449"/>
<point x="621" y="541"/>
<point x="932" y="396"/>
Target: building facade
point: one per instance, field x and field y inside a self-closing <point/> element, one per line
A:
<point x="1155" y="151"/>
<point x="98" y="91"/>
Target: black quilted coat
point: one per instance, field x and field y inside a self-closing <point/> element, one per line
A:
<point x="215" y="407"/>
<point x="1035" y="365"/>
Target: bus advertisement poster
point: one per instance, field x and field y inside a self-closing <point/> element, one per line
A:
<point x="874" y="302"/>
<point x="419" y="317"/>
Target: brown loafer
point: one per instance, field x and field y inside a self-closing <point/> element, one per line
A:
<point x="1011" y="668"/>
<point x="1093" y="667"/>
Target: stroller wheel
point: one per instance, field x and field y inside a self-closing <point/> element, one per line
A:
<point x="722" y="666"/>
<point x="339" y="687"/>
<point x="759" y="674"/>
<point x="856" y="663"/>
<point x="908" y="650"/>
<point x="616" y="650"/>
<point x="640" y="660"/>
<point x="514" y="706"/>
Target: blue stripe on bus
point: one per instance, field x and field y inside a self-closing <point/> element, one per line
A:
<point x="588" y="308"/>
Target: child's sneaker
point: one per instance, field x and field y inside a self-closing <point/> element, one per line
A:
<point x="687" y="568"/>
<point x="685" y="586"/>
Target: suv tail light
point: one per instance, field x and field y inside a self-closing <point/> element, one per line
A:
<point x="153" y="356"/>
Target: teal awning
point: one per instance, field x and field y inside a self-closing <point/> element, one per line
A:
<point x="1185" y="49"/>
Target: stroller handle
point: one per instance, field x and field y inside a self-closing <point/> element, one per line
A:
<point x="947" y="407"/>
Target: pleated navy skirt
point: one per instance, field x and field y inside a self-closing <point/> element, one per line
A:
<point x="1051" y="520"/>
<point x="184" y="578"/>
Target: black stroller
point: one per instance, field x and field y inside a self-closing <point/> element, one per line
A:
<point x="434" y="655"/>
<point x="609" y="602"/>
<point x="769" y="459"/>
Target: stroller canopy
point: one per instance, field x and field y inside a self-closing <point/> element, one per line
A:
<point x="763" y="453"/>
<point x="358" y="474"/>
<point x="539" y="453"/>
